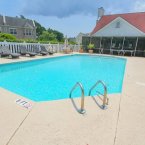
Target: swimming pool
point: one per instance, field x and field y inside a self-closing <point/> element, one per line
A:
<point x="53" y="78"/>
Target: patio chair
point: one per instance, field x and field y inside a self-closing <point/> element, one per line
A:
<point x="117" y="49"/>
<point x="129" y="49"/>
<point x="23" y="51"/>
<point x="43" y="48"/>
<point x="5" y="52"/>
<point x="38" y="50"/>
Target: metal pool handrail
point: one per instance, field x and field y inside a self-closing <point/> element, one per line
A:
<point x="105" y="99"/>
<point x="78" y="84"/>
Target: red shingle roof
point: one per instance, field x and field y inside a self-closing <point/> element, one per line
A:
<point x="135" y="19"/>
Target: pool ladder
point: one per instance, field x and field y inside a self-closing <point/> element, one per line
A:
<point x="105" y="98"/>
<point x="78" y="84"/>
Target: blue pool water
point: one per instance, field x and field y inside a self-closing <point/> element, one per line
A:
<point x="52" y="79"/>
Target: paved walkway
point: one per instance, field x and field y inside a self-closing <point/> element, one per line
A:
<point x="58" y="123"/>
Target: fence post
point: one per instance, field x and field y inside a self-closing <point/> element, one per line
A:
<point x="39" y="46"/>
<point x="58" y="47"/>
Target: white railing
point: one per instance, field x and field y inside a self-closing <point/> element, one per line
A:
<point x="15" y="47"/>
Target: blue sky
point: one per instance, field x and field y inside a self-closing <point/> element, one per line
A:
<point x="68" y="16"/>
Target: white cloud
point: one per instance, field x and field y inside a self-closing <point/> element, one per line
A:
<point x="139" y="6"/>
<point x="112" y="10"/>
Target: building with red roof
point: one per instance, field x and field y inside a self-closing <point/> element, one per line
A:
<point x="130" y="24"/>
<point x="118" y="33"/>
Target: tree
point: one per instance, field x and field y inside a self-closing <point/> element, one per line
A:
<point x="22" y="17"/>
<point x="47" y="36"/>
<point x="39" y="29"/>
<point x="59" y="35"/>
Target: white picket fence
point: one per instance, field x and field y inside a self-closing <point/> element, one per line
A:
<point x="15" y="47"/>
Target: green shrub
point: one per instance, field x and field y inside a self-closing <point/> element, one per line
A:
<point x="91" y="46"/>
<point x="5" y="36"/>
<point x="72" y="42"/>
<point x="2" y="39"/>
<point x="12" y="38"/>
<point x="30" y="41"/>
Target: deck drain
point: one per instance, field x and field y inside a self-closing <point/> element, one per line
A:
<point x="23" y="103"/>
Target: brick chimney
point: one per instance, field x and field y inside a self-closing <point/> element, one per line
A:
<point x="101" y="12"/>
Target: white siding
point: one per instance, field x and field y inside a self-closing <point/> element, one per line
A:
<point x="126" y="29"/>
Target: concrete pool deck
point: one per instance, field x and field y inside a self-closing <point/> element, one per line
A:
<point x="58" y="123"/>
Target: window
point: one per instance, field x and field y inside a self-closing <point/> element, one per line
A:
<point x="13" y="31"/>
<point x="27" y="32"/>
<point x="117" y="25"/>
<point x="6" y="30"/>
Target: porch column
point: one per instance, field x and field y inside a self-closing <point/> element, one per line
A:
<point x="90" y="39"/>
<point x="111" y="43"/>
<point x="123" y="43"/>
<point x="100" y="42"/>
<point x="136" y="45"/>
